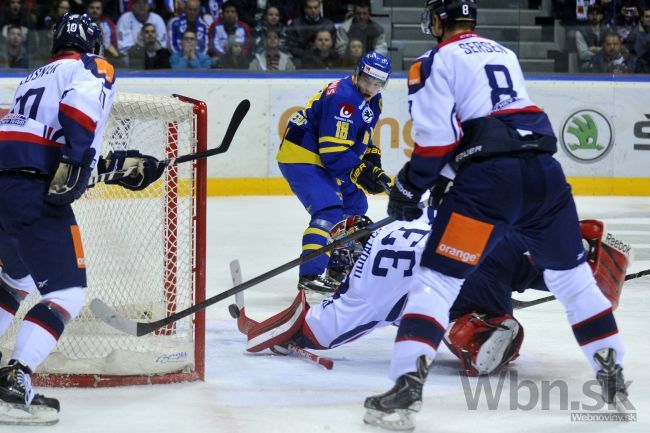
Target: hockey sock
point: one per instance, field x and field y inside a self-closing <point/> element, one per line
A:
<point x="12" y="293"/>
<point x="424" y="319"/>
<point x="44" y="324"/>
<point x="316" y="236"/>
<point x="588" y="310"/>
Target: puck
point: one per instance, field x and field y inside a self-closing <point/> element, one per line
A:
<point x="233" y="310"/>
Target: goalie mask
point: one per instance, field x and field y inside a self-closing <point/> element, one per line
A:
<point x="608" y="258"/>
<point x="342" y="259"/>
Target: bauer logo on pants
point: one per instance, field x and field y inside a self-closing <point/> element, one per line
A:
<point x="464" y="239"/>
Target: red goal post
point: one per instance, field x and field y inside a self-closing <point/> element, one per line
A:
<point x="145" y="254"/>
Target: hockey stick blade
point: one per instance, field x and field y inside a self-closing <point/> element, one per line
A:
<point x="144" y="328"/>
<point x="111" y="317"/>
<point x="244" y="323"/>
<point x="235" y="121"/>
<point x="518" y="305"/>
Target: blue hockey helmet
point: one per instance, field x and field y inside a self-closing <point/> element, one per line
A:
<point x="448" y="11"/>
<point x="77" y="31"/>
<point x="375" y="66"/>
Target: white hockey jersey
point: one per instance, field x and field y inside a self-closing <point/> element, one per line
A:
<point x="464" y="78"/>
<point x="375" y="292"/>
<point x="60" y="108"/>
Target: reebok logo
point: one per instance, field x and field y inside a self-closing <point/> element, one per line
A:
<point x="405" y="192"/>
<point x="461" y="255"/>
<point x="42" y="284"/>
<point x="618" y="244"/>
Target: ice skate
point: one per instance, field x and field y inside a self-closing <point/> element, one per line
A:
<point x="18" y="403"/>
<point x="396" y="408"/>
<point x="610" y="377"/>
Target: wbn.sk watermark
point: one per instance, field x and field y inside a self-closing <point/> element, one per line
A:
<point x="529" y="395"/>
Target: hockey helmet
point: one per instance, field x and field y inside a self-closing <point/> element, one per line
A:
<point x="448" y="11"/>
<point x="342" y="259"/>
<point x="77" y="31"/>
<point x="375" y="66"/>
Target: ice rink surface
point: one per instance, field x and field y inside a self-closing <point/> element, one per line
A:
<point x="264" y="393"/>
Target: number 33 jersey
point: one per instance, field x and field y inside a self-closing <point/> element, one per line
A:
<point x="58" y="110"/>
<point x="465" y="78"/>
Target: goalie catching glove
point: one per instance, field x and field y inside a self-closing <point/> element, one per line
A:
<point x="70" y="179"/>
<point x="147" y="168"/>
<point x="370" y="177"/>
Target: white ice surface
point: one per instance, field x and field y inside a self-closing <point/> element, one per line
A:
<point x="266" y="393"/>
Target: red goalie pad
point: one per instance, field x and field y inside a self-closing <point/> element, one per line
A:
<point x="608" y="258"/>
<point x="279" y="329"/>
<point x="483" y="343"/>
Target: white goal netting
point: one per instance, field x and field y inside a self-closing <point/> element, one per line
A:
<point x="140" y="250"/>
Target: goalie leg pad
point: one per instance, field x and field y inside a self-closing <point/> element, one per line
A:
<point x="279" y="329"/>
<point x="608" y="258"/>
<point x="484" y="344"/>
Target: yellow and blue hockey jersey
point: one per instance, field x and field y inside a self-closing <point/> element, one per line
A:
<point x="334" y="129"/>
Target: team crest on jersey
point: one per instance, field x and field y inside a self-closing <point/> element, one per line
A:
<point x="346" y="110"/>
<point x="367" y="115"/>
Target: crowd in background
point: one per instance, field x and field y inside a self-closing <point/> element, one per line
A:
<point x="259" y="35"/>
<point x="611" y="36"/>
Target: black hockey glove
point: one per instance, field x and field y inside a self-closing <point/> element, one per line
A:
<point x="404" y="198"/>
<point x="70" y="179"/>
<point x="371" y="178"/>
<point x="438" y="190"/>
<point x="147" y="168"/>
<point x="373" y="155"/>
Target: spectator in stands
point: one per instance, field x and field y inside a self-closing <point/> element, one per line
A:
<point x="234" y="57"/>
<point x="14" y="53"/>
<point x="642" y="35"/>
<point x="248" y="11"/>
<point x="16" y="12"/>
<point x="361" y="27"/>
<point x="109" y="31"/>
<point x="302" y="29"/>
<point x="271" y="58"/>
<point x="322" y="54"/>
<point x="228" y="25"/>
<point x="211" y="10"/>
<point x="271" y="21"/>
<point x="147" y="53"/>
<point x="59" y="8"/>
<point x="130" y="24"/>
<point x="613" y="58"/>
<point x="192" y="20"/>
<point x="590" y="36"/>
<point x="189" y="57"/>
<point x="627" y="21"/>
<point x="353" y="54"/>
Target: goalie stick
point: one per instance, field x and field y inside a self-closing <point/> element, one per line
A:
<point x="518" y="305"/>
<point x="235" y="121"/>
<point x="244" y="323"/>
<point x="110" y="316"/>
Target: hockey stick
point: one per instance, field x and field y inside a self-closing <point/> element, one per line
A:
<point x="235" y="121"/>
<point x="116" y="320"/>
<point x="245" y="323"/>
<point x="518" y="305"/>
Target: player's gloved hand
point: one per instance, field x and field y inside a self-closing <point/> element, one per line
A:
<point x="373" y="155"/>
<point x="147" y="168"/>
<point x="70" y="179"/>
<point x="438" y="190"/>
<point x="369" y="177"/>
<point x="404" y="198"/>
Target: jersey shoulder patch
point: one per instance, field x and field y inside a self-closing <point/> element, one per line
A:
<point x="420" y="70"/>
<point x="100" y="68"/>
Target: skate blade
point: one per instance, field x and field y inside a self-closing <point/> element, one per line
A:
<point x="20" y="414"/>
<point x="397" y="420"/>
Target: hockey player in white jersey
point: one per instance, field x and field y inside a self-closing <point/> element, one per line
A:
<point x="470" y="108"/>
<point x="50" y="141"/>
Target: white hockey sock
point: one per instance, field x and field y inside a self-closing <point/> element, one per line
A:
<point x="588" y="311"/>
<point x="424" y="319"/>
<point x="33" y="344"/>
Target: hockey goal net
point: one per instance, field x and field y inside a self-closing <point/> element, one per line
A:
<point x="145" y="255"/>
